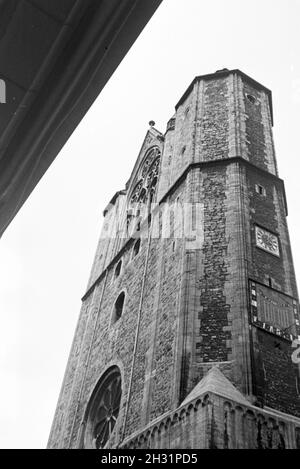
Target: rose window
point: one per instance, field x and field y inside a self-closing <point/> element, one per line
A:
<point x="104" y="410"/>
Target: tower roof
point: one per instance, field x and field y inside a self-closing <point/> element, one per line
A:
<point x="224" y="73"/>
<point x="214" y="381"/>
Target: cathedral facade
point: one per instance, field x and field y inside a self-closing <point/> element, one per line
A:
<point x="189" y="328"/>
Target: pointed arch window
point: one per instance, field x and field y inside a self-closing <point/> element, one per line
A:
<point x="118" y="308"/>
<point x="152" y="175"/>
<point x="118" y="269"/>
<point x="144" y="192"/>
<point x="136" y="248"/>
<point x="149" y="177"/>
<point x="136" y="193"/>
<point x="151" y="155"/>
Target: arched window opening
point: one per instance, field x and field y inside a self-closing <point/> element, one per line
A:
<point x="136" y="192"/>
<point x="152" y="191"/>
<point x="152" y="176"/>
<point x="118" y="269"/>
<point x="118" y="308"/>
<point x="136" y="248"/>
<point x="144" y="191"/>
<point x="251" y="98"/>
<point x="103" y="410"/>
<point x="143" y="196"/>
<point x="152" y="154"/>
<point x="140" y="215"/>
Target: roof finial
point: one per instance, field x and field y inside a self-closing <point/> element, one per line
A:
<point x="222" y="70"/>
<point x="152" y="123"/>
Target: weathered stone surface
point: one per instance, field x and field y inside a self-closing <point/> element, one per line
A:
<point x="218" y="418"/>
<point x="188" y="302"/>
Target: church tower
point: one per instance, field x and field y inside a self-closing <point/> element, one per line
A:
<point x="189" y="328"/>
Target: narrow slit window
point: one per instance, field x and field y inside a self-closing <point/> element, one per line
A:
<point x="118" y="307"/>
<point x="136" y="248"/>
<point x="260" y="190"/>
<point x="118" y="269"/>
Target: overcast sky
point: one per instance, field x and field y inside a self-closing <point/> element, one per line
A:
<point x="47" y="251"/>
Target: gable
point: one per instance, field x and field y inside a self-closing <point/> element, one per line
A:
<point x="153" y="139"/>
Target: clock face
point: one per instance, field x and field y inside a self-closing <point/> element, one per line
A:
<point x="267" y="241"/>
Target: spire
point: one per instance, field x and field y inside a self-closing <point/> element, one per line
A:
<point x="214" y="381"/>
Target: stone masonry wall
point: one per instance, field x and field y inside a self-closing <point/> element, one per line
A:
<point x="214" y="422"/>
<point x="254" y="127"/>
<point x="277" y="378"/>
<point x="186" y="297"/>
<point x="214" y="132"/>
<point x="58" y="426"/>
<point x="142" y="342"/>
<point x="257" y="126"/>
<point x="268" y="211"/>
<point x="214" y="298"/>
<point x="214" y="309"/>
